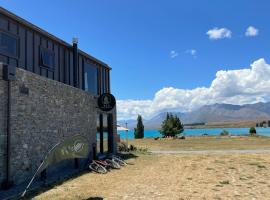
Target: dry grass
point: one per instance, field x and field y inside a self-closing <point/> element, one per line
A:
<point x="175" y="177"/>
<point x="204" y="143"/>
<point x="182" y="176"/>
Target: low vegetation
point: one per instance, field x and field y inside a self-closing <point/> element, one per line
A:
<point x="252" y="131"/>
<point x="224" y="133"/>
<point x="123" y="147"/>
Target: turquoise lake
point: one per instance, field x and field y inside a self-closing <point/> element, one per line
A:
<point x="198" y="132"/>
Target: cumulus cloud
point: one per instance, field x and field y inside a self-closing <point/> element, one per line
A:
<point x="219" y="33"/>
<point x="251" y="31"/>
<point x="192" y="52"/>
<point x="249" y="85"/>
<point x="173" y="54"/>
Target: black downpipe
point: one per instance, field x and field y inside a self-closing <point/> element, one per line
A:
<point x="75" y="62"/>
<point x="101" y="129"/>
<point x="75" y="79"/>
<point x="110" y="132"/>
<point x="8" y="183"/>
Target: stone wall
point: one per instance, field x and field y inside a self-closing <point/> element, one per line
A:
<point x="43" y="112"/>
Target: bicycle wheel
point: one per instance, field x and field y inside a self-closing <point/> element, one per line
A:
<point x="119" y="161"/>
<point x="113" y="164"/>
<point x="97" y="168"/>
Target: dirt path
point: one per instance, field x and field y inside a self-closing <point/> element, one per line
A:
<point x="226" y="151"/>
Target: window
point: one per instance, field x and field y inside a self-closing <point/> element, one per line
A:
<point x="104" y="80"/>
<point x="91" y="78"/>
<point x="105" y="134"/>
<point x="47" y="58"/>
<point x="8" y="44"/>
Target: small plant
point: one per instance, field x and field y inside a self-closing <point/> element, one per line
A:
<point x="224" y="133"/>
<point x="142" y="150"/>
<point x="252" y="131"/>
<point x="132" y="148"/>
<point x="122" y="146"/>
<point x="224" y="182"/>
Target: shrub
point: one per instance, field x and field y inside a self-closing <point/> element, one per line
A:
<point x="252" y="131"/>
<point x="224" y="133"/>
<point x="132" y="148"/>
<point x="122" y="146"/>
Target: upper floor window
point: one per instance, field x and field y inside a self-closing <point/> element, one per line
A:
<point x="47" y="58"/>
<point x="90" y="78"/>
<point x="8" y="44"/>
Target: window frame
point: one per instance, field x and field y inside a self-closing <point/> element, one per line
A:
<point x="17" y="45"/>
<point x="86" y="61"/>
<point x="41" y="63"/>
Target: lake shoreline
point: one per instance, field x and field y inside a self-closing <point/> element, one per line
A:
<point x="199" y="132"/>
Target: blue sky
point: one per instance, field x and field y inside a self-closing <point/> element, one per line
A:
<point x="138" y="38"/>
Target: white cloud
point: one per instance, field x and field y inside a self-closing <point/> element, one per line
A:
<point x="251" y="31"/>
<point x="173" y="54"/>
<point x="192" y="52"/>
<point x="241" y="86"/>
<point x="219" y="33"/>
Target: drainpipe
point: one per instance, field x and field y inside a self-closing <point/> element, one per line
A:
<point x="75" y="78"/>
<point x="9" y="76"/>
<point x="75" y="61"/>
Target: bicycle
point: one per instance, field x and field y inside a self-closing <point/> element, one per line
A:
<point x="98" y="168"/>
<point x="119" y="160"/>
<point x="113" y="164"/>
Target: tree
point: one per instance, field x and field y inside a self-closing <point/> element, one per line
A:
<point x="252" y="131"/>
<point x="224" y="133"/>
<point x="171" y="126"/>
<point x="139" y="131"/>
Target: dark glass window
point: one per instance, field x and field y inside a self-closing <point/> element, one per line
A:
<point x="8" y="44"/>
<point x="91" y="78"/>
<point x="47" y="58"/>
<point x="105" y="134"/>
<point x="104" y="81"/>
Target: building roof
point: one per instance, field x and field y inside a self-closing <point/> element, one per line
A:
<point x="47" y="34"/>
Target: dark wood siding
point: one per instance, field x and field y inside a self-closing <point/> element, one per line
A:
<point x="30" y="42"/>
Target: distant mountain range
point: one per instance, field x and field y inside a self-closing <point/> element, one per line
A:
<point x="212" y="114"/>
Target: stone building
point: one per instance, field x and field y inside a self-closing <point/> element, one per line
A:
<point x="54" y="95"/>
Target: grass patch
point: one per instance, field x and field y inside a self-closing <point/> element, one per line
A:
<point x="224" y="182"/>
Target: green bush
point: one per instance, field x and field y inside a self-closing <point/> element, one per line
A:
<point x="252" y="131"/>
<point x="122" y="146"/>
<point x="224" y="133"/>
<point x="171" y="126"/>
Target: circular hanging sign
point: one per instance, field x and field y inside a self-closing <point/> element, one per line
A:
<point x="106" y="102"/>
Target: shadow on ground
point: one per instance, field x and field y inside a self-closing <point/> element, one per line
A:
<point x="48" y="186"/>
<point x="127" y="155"/>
